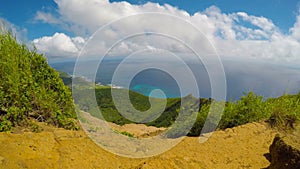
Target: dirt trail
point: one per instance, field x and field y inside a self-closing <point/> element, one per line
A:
<point x="138" y="130"/>
<point x="239" y="147"/>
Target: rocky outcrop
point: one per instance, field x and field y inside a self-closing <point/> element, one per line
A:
<point x="283" y="154"/>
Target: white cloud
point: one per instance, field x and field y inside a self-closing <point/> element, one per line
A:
<point x="46" y="17"/>
<point x="222" y="23"/>
<point x="234" y="35"/>
<point x="261" y="22"/>
<point x="59" y="45"/>
<point x="295" y="30"/>
<point x="261" y="27"/>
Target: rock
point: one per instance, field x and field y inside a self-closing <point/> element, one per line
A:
<point x="283" y="155"/>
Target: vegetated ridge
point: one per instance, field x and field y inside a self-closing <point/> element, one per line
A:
<point x="282" y="112"/>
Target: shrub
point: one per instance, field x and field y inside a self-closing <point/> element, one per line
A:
<point x="30" y="88"/>
<point x="290" y="121"/>
<point x="200" y="120"/>
<point x="127" y="134"/>
<point x="247" y="109"/>
<point x="276" y="119"/>
<point x="281" y="120"/>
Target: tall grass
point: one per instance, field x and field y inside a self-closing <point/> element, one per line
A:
<point x="30" y="88"/>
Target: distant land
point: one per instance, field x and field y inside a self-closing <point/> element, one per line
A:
<point x="266" y="79"/>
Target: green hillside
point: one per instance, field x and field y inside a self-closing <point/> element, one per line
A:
<point x="280" y="112"/>
<point x="30" y="89"/>
<point x="139" y="101"/>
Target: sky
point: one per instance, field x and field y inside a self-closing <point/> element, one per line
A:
<point x="258" y="41"/>
<point x="22" y="13"/>
<point x="266" y="30"/>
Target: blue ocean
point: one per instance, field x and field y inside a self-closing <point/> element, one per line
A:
<point x="144" y="82"/>
<point x="241" y="78"/>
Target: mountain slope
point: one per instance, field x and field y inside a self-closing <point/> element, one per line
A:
<point x="30" y="89"/>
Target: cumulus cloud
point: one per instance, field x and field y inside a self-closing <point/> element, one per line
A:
<point x="234" y="35"/>
<point x="59" y="45"/>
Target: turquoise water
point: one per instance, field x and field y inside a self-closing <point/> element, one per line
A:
<point x="152" y="80"/>
<point x="146" y="90"/>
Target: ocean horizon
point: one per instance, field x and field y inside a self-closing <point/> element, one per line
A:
<point x="240" y="80"/>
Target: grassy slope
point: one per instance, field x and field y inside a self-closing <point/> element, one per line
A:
<point x="30" y="89"/>
<point x="281" y="112"/>
<point x="111" y="114"/>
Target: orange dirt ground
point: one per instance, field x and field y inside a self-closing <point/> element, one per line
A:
<point x="239" y="147"/>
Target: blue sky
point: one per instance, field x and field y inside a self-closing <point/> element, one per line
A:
<point x="247" y="34"/>
<point x="21" y="13"/>
<point x="263" y="29"/>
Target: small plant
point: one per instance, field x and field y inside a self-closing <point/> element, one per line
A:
<point x="5" y="125"/>
<point x="290" y="120"/>
<point x="125" y="133"/>
<point x="93" y="129"/>
<point x="276" y="119"/>
<point x="281" y="120"/>
<point x="35" y="128"/>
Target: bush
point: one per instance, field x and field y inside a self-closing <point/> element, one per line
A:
<point x="277" y="119"/>
<point x="30" y="88"/>
<point x="281" y="120"/>
<point x="201" y="118"/>
<point x="248" y="109"/>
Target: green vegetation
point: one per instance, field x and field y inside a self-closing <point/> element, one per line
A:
<point x="31" y="89"/>
<point x="66" y="78"/>
<point x="125" y="133"/>
<point x="280" y="112"/>
<point x="111" y="114"/>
